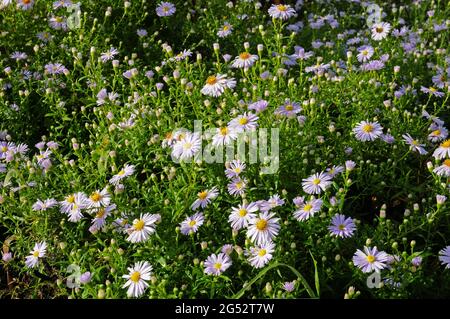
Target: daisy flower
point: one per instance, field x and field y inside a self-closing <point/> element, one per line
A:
<point x="58" y="23"/>
<point x="18" y="56"/>
<point x="263" y="228"/>
<point x="244" y="60"/>
<point x="433" y="91"/>
<point x="414" y="144"/>
<point x="165" y="9"/>
<point x="271" y="203"/>
<point x="126" y="171"/>
<point x="258" y="106"/>
<point x="281" y="11"/>
<point x="216" y="84"/>
<point x="367" y="131"/>
<point x="137" y="278"/>
<point x="443" y="150"/>
<point x="438" y="134"/>
<point x="289" y="286"/>
<point x="365" y="53"/>
<point x="240" y="216"/>
<point x="187" y="147"/>
<point x="224" y="136"/>
<point x="182" y="55"/>
<point x="217" y="264"/>
<point x="316" y="183"/>
<point x="99" y="199"/>
<point x="39" y="251"/>
<point x="307" y="209"/>
<point x="204" y="198"/>
<point x="237" y="186"/>
<point x="191" y="224"/>
<point x="25" y="4"/>
<point x="99" y="220"/>
<point x="335" y="170"/>
<point x="380" y="30"/>
<point x="44" y="205"/>
<point x="142" y="228"/>
<point x="73" y="204"/>
<point x="5" y="148"/>
<point x="444" y="169"/>
<point x="109" y="55"/>
<point x="444" y="256"/>
<point x="225" y="30"/>
<point x="259" y="256"/>
<point x="244" y="122"/>
<point x="289" y="109"/>
<point x="234" y="169"/>
<point x="370" y="260"/>
<point x="341" y="226"/>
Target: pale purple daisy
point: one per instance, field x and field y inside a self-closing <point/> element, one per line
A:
<point x="444" y="169"/>
<point x="224" y="136"/>
<point x="191" y="224"/>
<point x="438" y="134"/>
<point x="289" y="286"/>
<point x="258" y="106"/>
<point x="443" y="150"/>
<point x="142" y="227"/>
<point x="99" y="198"/>
<point x="433" y="91"/>
<point x="141" y="32"/>
<point x="240" y="216"/>
<point x="289" y="109"/>
<point x="16" y="55"/>
<point x="367" y="131"/>
<point x="126" y="171"/>
<point x="380" y="30"/>
<point x="237" y="186"/>
<point x="25" y="4"/>
<point x="414" y="144"/>
<point x="373" y="65"/>
<point x="341" y="226"/>
<point x="204" y="198"/>
<point x="365" y="53"/>
<point x="187" y="146"/>
<point x="137" y="278"/>
<point x="99" y="221"/>
<point x="335" y="170"/>
<point x="263" y="228"/>
<point x="416" y="261"/>
<point x="216" y="84"/>
<point x="272" y="202"/>
<point x="44" y="205"/>
<point x="165" y="9"/>
<point x="260" y="255"/>
<point x="306" y="209"/>
<point x="244" y="60"/>
<point x="244" y="122"/>
<point x="316" y="183"/>
<point x="444" y="256"/>
<point x="281" y="11"/>
<point x="217" y="264"/>
<point x="234" y="169"/>
<point x="225" y="30"/>
<point x="58" y="23"/>
<point x="39" y="251"/>
<point x="370" y="260"/>
<point x="109" y="55"/>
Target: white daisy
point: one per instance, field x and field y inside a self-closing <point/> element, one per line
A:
<point x="216" y="84"/>
<point x="244" y="122"/>
<point x="99" y="199"/>
<point x="224" y="136"/>
<point x="367" y="131"/>
<point x="137" y="278"/>
<point x="187" y="147"/>
<point x="204" y="198"/>
<point x="443" y="150"/>
<point x="380" y="30"/>
<point x="240" y="216"/>
<point x="263" y="228"/>
<point x="39" y="251"/>
<point x="126" y="171"/>
<point x="259" y="256"/>
<point x="244" y="60"/>
<point x="143" y="227"/>
<point x="316" y="183"/>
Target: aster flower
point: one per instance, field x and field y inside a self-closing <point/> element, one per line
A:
<point x="227" y="249"/>
<point x="25" y="4"/>
<point x="444" y="169"/>
<point x="217" y="264"/>
<point x="225" y="30"/>
<point x="191" y="224"/>
<point x="141" y="32"/>
<point x="373" y="65"/>
<point x="258" y="106"/>
<point x="143" y="227"/>
<point x="444" y="256"/>
<point x="370" y="260"/>
<point x="126" y="171"/>
<point x="307" y="209"/>
<point x="183" y="55"/>
<point x="259" y="256"/>
<point x="234" y="169"/>
<point x="44" y="205"/>
<point x="5" y="148"/>
<point x="244" y="60"/>
<point x="416" y="261"/>
<point x="244" y="122"/>
<point x="289" y="109"/>
<point x="365" y="53"/>
<point x="224" y="136"/>
<point x="99" y="221"/>
<point x="241" y="215"/>
<point x="237" y="186"/>
<point x="44" y="36"/>
<point x="187" y="147"/>
<point x="58" y="23"/>
<point x="62" y="4"/>
<point x="16" y="55"/>
<point x="431" y="90"/>
<point x="271" y="203"/>
<point x="165" y="9"/>
<point x="204" y="198"/>
<point x="281" y="11"/>
<point x="335" y="170"/>
<point x="109" y="55"/>
<point x="73" y="204"/>
<point x="380" y="30"/>
<point x="367" y="131"/>
<point x="316" y="183"/>
<point x="438" y="134"/>
<point x="414" y="144"/>
<point x="55" y="68"/>
<point x="341" y="226"/>
<point x="289" y="286"/>
<point x="216" y="84"/>
<point x="39" y="251"/>
<point x="137" y="278"/>
<point x="99" y="199"/>
<point x="263" y="228"/>
<point x="443" y="150"/>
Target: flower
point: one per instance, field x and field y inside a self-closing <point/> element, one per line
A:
<point x="258" y="106"/>
<point x="25" y="4"/>
<point x="44" y="205"/>
<point x="272" y="202"/>
<point x="316" y="183"/>
<point x="414" y="144"/>
<point x="187" y="147"/>
<point x="244" y="60"/>
<point x="73" y="204"/>
<point x="99" y="199"/>
<point x="443" y="150"/>
<point x="370" y="260"/>
<point x="367" y="131"/>
<point x="244" y="122"/>
<point x="85" y="277"/>
<point x="431" y="90"/>
<point x="137" y="278"/>
<point x="289" y="286"/>
<point x="335" y="170"/>
<point x="217" y="264"/>
<point x="99" y="220"/>
<point x="259" y="256"/>
<point x="126" y="171"/>
<point x="438" y="134"/>
<point x="39" y="251"/>
<point x="342" y="226"/>
<point x="234" y="169"/>
<point x="380" y="30"/>
<point x="224" y="136"/>
<point x="416" y="261"/>
<point x="191" y="224"/>
<point x="109" y="55"/>
<point x="365" y="53"/>
<point x="143" y="227"/>
<point x="444" y="256"/>
<point x="263" y="228"/>
<point x="165" y="9"/>
<point x="225" y="30"/>
<point x="204" y="198"/>
<point x="240" y="216"/>
<point x="281" y="11"/>
<point x="216" y="84"/>
<point x="6" y="257"/>
<point x="237" y="186"/>
<point x="444" y="169"/>
<point x="58" y="23"/>
<point x="308" y="209"/>
<point x="289" y="109"/>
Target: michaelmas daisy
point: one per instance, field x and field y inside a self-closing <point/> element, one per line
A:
<point x="204" y="198"/>
<point x="244" y="60"/>
<point x="143" y="227"/>
<point x="281" y="11"/>
<point x="39" y="251"/>
<point x="240" y="216"/>
<point x="370" y="260"/>
<point x="137" y="278"/>
<point x="367" y="131"/>
<point x="217" y="264"/>
<point x="216" y="84"/>
<point x="263" y="228"/>
<point x="259" y="256"/>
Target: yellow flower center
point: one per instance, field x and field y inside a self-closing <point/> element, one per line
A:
<point x="414" y="142"/>
<point x="436" y="133"/>
<point x="218" y="266"/>
<point x="4" y="149"/>
<point x="135" y="276"/>
<point x="262" y="252"/>
<point x="316" y="181"/>
<point x="239" y="185"/>
<point x="367" y="128"/>
<point x="225" y="28"/>
<point x="187" y="145"/>
<point x="224" y="131"/>
<point x="370" y="258"/>
<point x="261" y="224"/>
<point x="26" y="1"/>
<point x="165" y="9"/>
<point x="211" y="80"/>
<point x="341" y="227"/>
<point x="447" y="162"/>
<point x="307" y="207"/>
<point x="59" y="19"/>
<point x="202" y="195"/>
<point x="95" y="197"/>
<point x="281" y="7"/>
<point x="289" y="107"/>
<point x="121" y="173"/>
<point x="446" y="144"/>
<point x="139" y="225"/>
<point x="101" y="212"/>
<point x="432" y="89"/>
<point x="243" y="121"/>
<point x="237" y="170"/>
<point x="244" y="55"/>
<point x="365" y="52"/>
<point x="36" y="253"/>
<point x="71" y="199"/>
<point x="379" y="30"/>
<point x="192" y="223"/>
<point x="242" y="212"/>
